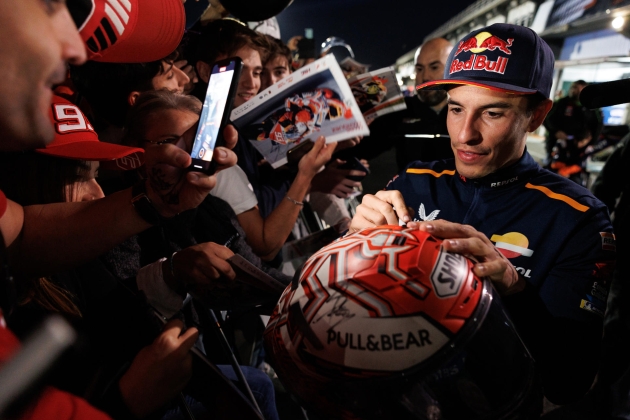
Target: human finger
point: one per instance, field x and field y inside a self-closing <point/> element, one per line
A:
<point x="378" y="211"/>
<point x="168" y="154"/>
<point x="397" y="204"/>
<point x="230" y="136"/>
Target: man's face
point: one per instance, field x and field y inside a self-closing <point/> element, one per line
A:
<point x="275" y="69"/>
<point x="39" y="37"/>
<point x="175" y="126"/>
<point x="430" y="66"/>
<point x="488" y="129"/>
<point x="575" y="90"/>
<point x="249" y="83"/>
<point x="86" y="188"/>
<point x="172" y="78"/>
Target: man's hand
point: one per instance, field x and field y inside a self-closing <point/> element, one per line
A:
<point x="466" y="240"/>
<point x="200" y="267"/>
<point x="333" y="180"/>
<point x="317" y="157"/>
<point x="347" y="144"/>
<point x="561" y="135"/>
<point x="159" y="371"/>
<point x="384" y="208"/>
<point x="170" y="186"/>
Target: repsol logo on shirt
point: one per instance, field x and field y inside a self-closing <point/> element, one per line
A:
<point x="507" y="181"/>
<point x="379" y="342"/>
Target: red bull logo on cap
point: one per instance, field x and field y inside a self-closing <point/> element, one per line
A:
<point x="484" y="41"/>
<point x="477" y="44"/>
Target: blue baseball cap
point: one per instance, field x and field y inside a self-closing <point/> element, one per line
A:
<point x="502" y="57"/>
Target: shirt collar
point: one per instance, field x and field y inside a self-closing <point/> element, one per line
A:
<point x="514" y="174"/>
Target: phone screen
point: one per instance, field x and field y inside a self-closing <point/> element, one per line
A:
<point x="213" y="110"/>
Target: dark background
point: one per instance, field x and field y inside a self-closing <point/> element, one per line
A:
<point x="379" y="31"/>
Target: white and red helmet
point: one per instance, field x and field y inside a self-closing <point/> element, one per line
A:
<point x="384" y="322"/>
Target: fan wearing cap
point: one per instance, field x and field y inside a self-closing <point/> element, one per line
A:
<point x="65" y="170"/>
<point x="37" y="63"/>
<point x="545" y="242"/>
<point x="39" y="40"/>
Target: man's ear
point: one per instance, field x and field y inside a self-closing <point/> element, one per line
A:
<point x="539" y="114"/>
<point x="133" y="97"/>
<point x="203" y="70"/>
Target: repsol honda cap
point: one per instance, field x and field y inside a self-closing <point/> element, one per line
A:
<point x="502" y="57"/>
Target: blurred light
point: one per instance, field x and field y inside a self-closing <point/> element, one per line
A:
<point x="618" y="22"/>
<point x="412" y="76"/>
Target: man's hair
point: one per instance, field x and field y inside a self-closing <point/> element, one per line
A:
<point x="534" y="101"/>
<point x="31" y="178"/>
<point x="275" y="48"/>
<point x="106" y="86"/>
<point x="580" y="82"/>
<point x="150" y="103"/>
<point x="224" y="37"/>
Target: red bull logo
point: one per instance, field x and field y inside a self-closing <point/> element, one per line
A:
<point x="477" y="44"/>
<point x="484" y="41"/>
<point x="479" y="62"/>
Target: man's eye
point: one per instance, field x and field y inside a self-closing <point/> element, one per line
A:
<point x="454" y="110"/>
<point x="493" y="114"/>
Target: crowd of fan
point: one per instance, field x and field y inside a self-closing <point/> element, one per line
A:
<point x="92" y="256"/>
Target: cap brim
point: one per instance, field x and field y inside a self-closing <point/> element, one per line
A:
<point x="122" y="157"/>
<point x="159" y="29"/>
<point x="498" y="87"/>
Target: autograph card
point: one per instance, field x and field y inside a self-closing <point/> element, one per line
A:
<point x="314" y="101"/>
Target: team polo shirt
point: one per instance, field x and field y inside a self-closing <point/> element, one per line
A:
<point x="556" y="233"/>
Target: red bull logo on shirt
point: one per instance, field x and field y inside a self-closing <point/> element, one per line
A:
<point x="477" y="44"/>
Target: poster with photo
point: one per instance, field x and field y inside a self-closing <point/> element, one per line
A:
<point x="314" y="101"/>
<point x="377" y="93"/>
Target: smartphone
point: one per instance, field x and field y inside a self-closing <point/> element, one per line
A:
<point x="355" y="164"/>
<point x="215" y="113"/>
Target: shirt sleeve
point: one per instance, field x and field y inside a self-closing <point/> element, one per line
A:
<point x="234" y="188"/>
<point x="577" y="285"/>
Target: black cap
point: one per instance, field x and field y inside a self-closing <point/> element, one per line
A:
<point x="502" y="57"/>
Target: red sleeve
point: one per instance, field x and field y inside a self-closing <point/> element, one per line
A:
<point x="3" y="203"/>
<point x="58" y="405"/>
<point x="52" y="404"/>
<point x="8" y="342"/>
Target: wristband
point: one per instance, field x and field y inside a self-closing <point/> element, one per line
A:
<point x="297" y="203"/>
<point x="143" y="205"/>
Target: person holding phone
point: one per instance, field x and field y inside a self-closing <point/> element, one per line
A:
<point x="228" y="38"/>
<point x="161" y="117"/>
<point x="85" y="295"/>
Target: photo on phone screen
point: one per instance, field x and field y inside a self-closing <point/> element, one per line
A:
<point x="215" y="113"/>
